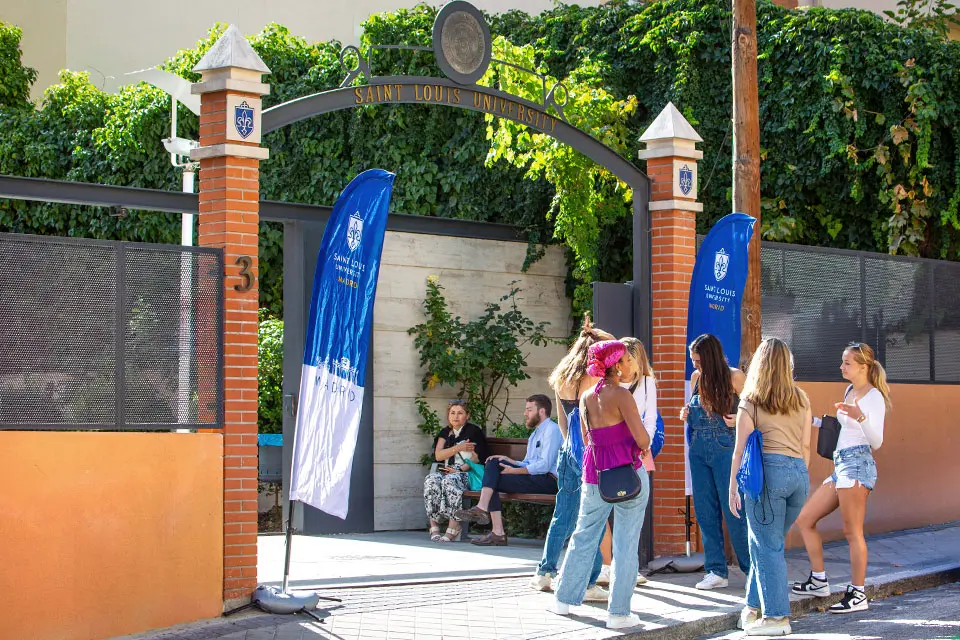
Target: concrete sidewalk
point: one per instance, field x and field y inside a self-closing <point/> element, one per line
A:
<point x="446" y="595"/>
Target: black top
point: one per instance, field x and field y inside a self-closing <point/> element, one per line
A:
<point x="569" y="405"/>
<point x="470" y="432"/>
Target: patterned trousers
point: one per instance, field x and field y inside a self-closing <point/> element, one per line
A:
<point x="443" y="493"/>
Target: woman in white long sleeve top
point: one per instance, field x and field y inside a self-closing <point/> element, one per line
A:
<point x="861" y="416"/>
<point x="644" y="389"/>
<point x="643" y="386"/>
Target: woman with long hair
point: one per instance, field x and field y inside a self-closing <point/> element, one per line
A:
<point x="615" y="437"/>
<point x="773" y="404"/>
<point x="638" y="378"/>
<point x="711" y="418"/>
<point x="443" y="489"/>
<point x="569" y="381"/>
<point x="861" y="415"/>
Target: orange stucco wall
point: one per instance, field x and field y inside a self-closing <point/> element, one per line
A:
<point x="107" y="534"/>
<point x="916" y="464"/>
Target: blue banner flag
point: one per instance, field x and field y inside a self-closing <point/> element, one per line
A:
<point x="337" y="340"/>
<point x="716" y="289"/>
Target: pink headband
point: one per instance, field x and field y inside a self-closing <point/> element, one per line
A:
<point x="604" y="355"/>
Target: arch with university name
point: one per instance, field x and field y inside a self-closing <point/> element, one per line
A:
<point x="462" y="47"/>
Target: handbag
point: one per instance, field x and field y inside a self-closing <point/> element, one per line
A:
<point x="475" y="475"/>
<point x="618" y="484"/>
<point x="750" y="474"/>
<point x="829" y="433"/>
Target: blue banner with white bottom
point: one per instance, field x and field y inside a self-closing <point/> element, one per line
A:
<point x="337" y="342"/>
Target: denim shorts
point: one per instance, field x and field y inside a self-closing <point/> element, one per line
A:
<point x="853" y="465"/>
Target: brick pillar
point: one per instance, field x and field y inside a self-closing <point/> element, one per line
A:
<point x="229" y="157"/>
<point x="672" y="168"/>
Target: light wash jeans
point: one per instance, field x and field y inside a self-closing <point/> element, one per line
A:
<point x="591" y="523"/>
<point x="711" y="454"/>
<point x="785" y="488"/>
<point x="569" y="479"/>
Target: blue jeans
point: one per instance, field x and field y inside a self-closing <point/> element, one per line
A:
<point x="711" y="454"/>
<point x="785" y="488"/>
<point x="569" y="475"/>
<point x="591" y="523"/>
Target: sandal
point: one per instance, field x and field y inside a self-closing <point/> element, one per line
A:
<point x="435" y="533"/>
<point x="451" y="535"/>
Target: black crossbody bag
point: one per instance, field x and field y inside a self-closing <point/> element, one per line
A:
<point x="830" y="433"/>
<point x="618" y="484"/>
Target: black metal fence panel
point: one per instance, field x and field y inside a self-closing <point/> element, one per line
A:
<point x="819" y="300"/>
<point x="109" y="336"/>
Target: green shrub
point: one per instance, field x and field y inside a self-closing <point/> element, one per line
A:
<point x="270" y="375"/>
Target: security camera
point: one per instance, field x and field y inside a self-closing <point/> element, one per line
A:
<point x="180" y="146"/>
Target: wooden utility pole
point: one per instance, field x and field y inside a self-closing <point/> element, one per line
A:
<point x="746" y="160"/>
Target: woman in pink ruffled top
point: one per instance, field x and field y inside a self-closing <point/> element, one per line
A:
<point x="616" y="437"/>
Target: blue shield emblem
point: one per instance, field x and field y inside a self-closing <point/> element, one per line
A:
<point x="243" y="118"/>
<point x="686" y="180"/>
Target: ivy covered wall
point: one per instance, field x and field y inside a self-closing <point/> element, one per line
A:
<point x="857" y="128"/>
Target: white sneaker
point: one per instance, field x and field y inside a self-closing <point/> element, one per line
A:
<point x="853" y="600"/>
<point x="812" y="587"/>
<point x="641" y="579"/>
<point x="748" y="617"/>
<point x="711" y="581"/>
<point x="770" y="627"/>
<point x="596" y="593"/>
<point x="558" y="608"/>
<point x="604" y="578"/>
<point x="623" y="622"/>
<point x="541" y="582"/>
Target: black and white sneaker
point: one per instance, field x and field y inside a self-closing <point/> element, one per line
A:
<point x="853" y="600"/>
<point x="812" y="587"/>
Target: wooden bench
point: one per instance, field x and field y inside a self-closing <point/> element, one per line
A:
<point x="515" y="448"/>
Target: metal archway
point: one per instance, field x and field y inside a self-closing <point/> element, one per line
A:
<point x="445" y="92"/>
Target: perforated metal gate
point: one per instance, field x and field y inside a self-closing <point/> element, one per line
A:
<point x="907" y="309"/>
<point x="819" y="300"/>
<point x="109" y="336"/>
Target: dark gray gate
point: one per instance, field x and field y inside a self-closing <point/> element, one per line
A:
<point x="109" y="335"/>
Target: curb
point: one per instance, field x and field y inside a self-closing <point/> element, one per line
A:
<point x="910" y="581"/>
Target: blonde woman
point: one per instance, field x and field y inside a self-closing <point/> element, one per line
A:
<point x="643" y="385"/>
<point x="569" y="381"/>
<point x="772" y="403"/>
<point x="861" y="416"/>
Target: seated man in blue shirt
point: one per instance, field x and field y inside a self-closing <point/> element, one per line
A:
<point x="533" y="474"/>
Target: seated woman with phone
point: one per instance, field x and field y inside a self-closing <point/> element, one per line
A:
<point x="456" y="447"/>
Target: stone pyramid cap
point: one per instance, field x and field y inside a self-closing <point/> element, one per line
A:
<point x="670" y="124"/>
<point x="232" y="50"/>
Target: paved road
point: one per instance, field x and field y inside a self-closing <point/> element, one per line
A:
<point x="920" y="615"/>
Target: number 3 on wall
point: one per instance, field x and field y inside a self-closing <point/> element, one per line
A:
<point x="244" y="262"/>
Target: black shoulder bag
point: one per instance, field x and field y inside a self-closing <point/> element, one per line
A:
<point x="829" y="433"/>
<point x="618" y="484"/>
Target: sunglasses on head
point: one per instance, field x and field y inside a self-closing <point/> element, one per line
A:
<point x="457" y="403"/>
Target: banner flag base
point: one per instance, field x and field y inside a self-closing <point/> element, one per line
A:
<point x="272" y="600"/>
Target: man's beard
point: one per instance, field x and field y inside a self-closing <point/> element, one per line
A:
<point x="533" y="422"/>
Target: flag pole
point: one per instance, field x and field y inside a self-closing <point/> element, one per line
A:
<point x="288" y="547"/>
